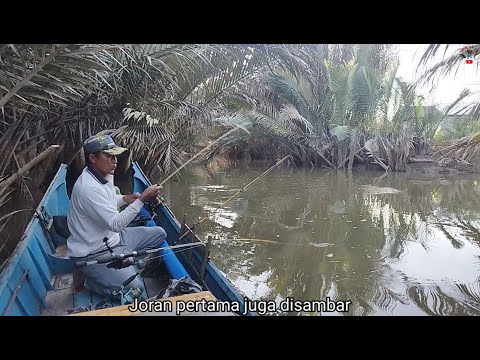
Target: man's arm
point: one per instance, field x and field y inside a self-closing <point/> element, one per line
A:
<point x="125" y="199"/>
<point x="120" y="201"/>
<point x="120" y="197"/>
<point x="130" y="198"/>
<point x="103" y="211"/>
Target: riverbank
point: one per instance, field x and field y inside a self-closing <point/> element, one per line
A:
<point x="431" y="166"/>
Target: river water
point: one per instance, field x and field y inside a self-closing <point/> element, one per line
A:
<point x="391" y="244"/>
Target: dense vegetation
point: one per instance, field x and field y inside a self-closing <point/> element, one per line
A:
<point x="326" y="105"/>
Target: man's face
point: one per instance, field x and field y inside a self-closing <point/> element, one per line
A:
<point x="104" y="163"/>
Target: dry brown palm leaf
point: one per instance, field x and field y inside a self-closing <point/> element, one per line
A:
<point x="3" y="200"/>
<point x="466" y="148"/>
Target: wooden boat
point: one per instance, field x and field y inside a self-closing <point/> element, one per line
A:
<point x="39" y="279"/>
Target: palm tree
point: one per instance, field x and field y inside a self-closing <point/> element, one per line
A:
<point x="450" y="64"/>
<point x="323" y="113"/>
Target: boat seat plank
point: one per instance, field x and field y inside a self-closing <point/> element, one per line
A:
<point x="61" y="298"/>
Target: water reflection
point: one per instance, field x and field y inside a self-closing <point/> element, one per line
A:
<point x="392" y="244"/>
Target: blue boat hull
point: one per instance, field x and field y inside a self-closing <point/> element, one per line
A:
<point x="29" y="274"/>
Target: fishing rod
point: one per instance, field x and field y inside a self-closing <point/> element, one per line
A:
<point x="116" y="260"/>
<point x="317" y="245"/>
<point x="197" y="154"/>
<point x="220" y="241"/>
<point x="235" y="195"/>
<point x="159" y="200"/>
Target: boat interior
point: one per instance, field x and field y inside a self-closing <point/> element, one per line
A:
<point x="69" y="295"/>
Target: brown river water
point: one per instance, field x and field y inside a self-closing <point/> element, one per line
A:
<point x="389" y="244"/>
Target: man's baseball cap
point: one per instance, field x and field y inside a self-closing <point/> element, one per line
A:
<point x="103" y="143"/>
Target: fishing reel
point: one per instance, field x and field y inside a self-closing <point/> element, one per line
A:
<point x="152" y="209"/>
<point x="139" y="263"/>
<point x="155" y="203"/>
<point x="121" y="263"/>
<point x="142" y="220"/>
<point x="130" y="296"/>
<point x="124" y="297"/>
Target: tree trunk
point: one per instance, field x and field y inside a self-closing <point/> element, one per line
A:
<point x="73" y="154"/>
<point x="353" y="140"/>
<point x="25" y="169"/>
<point x="414" y="160"/>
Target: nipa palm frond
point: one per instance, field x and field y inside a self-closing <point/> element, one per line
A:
<point x="288" y="89"/>
<point x="45" y="76"/>
<point x="342" y="132"/>
<point x="444" y="67"/>
<point x="292" y="120"/>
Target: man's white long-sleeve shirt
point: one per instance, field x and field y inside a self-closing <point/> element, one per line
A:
<point x="93" y="214"/>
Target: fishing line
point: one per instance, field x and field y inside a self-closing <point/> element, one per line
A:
<point x="255" y="240"/>
<point x="193" y="245"/>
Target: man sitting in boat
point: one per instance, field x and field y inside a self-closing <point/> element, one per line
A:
<point x="98" y="227"/>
